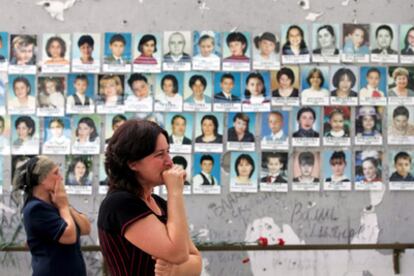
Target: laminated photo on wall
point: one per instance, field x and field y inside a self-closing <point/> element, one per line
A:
<point x="4" y="51"/>
<point x="169" y="91"/>
<point x="306" y="171"/>
<point x="337" y="126"/>
<point x="147" y="53"/>
<point x="274" y="176"/>
<point x="315" y="85"/>
<point x="400" y="125"/>
<point x="344" y="85"/>
<point x="22" y="94"/>
<point x="326" y="38"/>
<point x="356" y="43"/>
<point x="103" y="177"/>
<point x="236" y="51"/>
<point x="51" y="95"/>
<point x="285" y="86"/>
<point x="23" y="54"/>
<point x="368" y="125"/>
<point x="198" y="90"/>
<point x="227" y="92"/>
<point x="139" y="90"/>
<point x="85" y="134"/>
<point x="207" y="50"/>
<point x="256" y="96"/>
<point x="180" y="127"/>
<point x="177" y="51"/>
<point x="209" y="132"/>
<point x="400" y="85"/>
<point x="373" y="85"/>
<point x="368" y="170"/>
<point x="275" y="130"/>
<point x="86" y="53"/>
<point x="184" y="161"/>
<point x="384" y="44"/>
<point x="407" y="43"/>
<point x="117" y="53"/>
<point x="241" y="131"/>
<point x="56" y="53"/>
<point x="295" y="46"/>
<point x="156" y="117"/>
<point x="25" y="134"/>
<point x="79" y="174"/>
<point x="206" y="177"/>
<point x="112" y="122"/>
<point x="4" y="135"/>
<point x="401" y="170"/>
<point x="80" y="95"/>
<point x="243" y="172"/>
<point x="337" y="170"/>
<point x="266" y="51"/>
<point x="111" y="91"/>
<point x="3" y="88"/>
<point x="306" y="124"/>
<point x="56" y="135"/>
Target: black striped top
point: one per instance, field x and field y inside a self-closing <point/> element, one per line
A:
<point x="118" y="210"/>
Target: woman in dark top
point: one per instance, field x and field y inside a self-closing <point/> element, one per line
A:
<point x="52" y="226"/>
<point x="285" y="78"/>
<point x="306" y="118"/>
<point x="343" y="80"/>
<point x="139" y="232"/>
<point x="209" y="130"/>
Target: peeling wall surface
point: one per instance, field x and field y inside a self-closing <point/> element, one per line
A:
<point x="296" y="217"/>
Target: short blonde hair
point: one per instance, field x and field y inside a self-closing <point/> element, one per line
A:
<point x="107" y="78"/>
<point x="400" y="71"/>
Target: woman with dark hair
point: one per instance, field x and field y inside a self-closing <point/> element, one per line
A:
<point x="169" y="94"/>
<point x="408" y="43"/>
<point x="147" y="46"/>
<point x="79" y="173"/>
<point x="384" y="36"/>
<point x="356" y="40"/>
<point x="25" y="128"/>
<point x="56" y="50"/>
<point x="209" y="130"/>
<point x="140" y="90"/>
<point x="22" y="89"/>
<point x="149" y="234"/>
<point x="198" y="84"/>
<point x="326" y="39"/>
<point x="315" y="80"/>
<point x="239" y="132"/>
<point x="52" y="226"/>
<point x="305" y="118"/>
<point x="295" y="44"/>
<point x="255" y="92"/>
<point x="343" y="80"/>
<point x="244" y="168"/>
<point x="86" y="45"/>
<point x="86" y="133"/>
<point x="285" y="78"/>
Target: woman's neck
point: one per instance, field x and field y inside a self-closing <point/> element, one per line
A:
<point x="42" y="194"/>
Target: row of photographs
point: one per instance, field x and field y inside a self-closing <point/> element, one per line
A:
<point x="207" y="50"/>
<point x="206" y="91"/>
<point x="268" y="171"/>
<point x="216" y="132"/>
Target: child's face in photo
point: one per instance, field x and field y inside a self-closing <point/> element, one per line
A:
<point x="117" y="125"/>
<point x="369" y="170"/>
<point x="207" y="166"/>
<point x="274" y="165"/>
<point x="401" y="81"/>
<point x="384" y="39"/>
<point x="80" y="169"/>
<point x="345" y="83"/>
<point x="284" y="82"/>
<point x="403" y="166"/>
<point x="168" y="87"/>
<point x="315" y="80"/>
<point x="306" y="120"/>
<point x="368" y="123"/>
<point x="240" y="126"/>
<point x="325" y="38"/>
<point x="178" y="127"/>
<point x="244" y="168"/>
<point x="275" y="123"/>
<point x="24" y="53"/>
<point x="117" y="48"/>
<point x="23" y="131"/>
<point x="227" y="85"/>
<point x="373" y="79"/>
<point x="266" y="47"/>
<point x="295" y="37"/>
<point x="55" y="49"/>
<point x="255" y="86"/>
<point x="109" y="88"/>
<point x="400" y="122"/>
<point x="206" y="47"/>
<point x="21" y="90"/>
<point x="84" y="131"/>
<point x="306" y="169"/>
<point x="148" y="48"/>
<point x="236" y="48"/>
<point x="357" y="37"/>
<point x="338" y="167"/>
<point x="50" y="87"/>
<point x="140" y="89"/>
<point x="337" y="122"/>
<point x="198" y="88"/>
<point x="56" y="129"/>
<point x="208" y="127"/>
<point x="80" y="86"/>
<point x="176" y="44"/>
<point x="86" y="50"/>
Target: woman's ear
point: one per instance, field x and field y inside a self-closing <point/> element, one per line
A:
<point x="133" y="165"/>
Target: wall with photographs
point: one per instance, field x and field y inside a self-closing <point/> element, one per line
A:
<point x="311" y="207"/>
